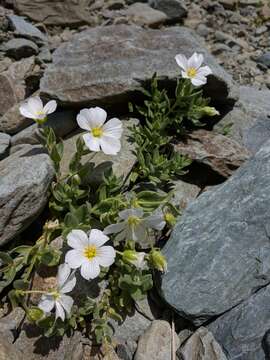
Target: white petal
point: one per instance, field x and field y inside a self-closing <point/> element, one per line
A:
<point x="82" y="121"/>
<point x="156" y="222"/>
<point x="114" y="228"/>
<point x="185" y="75"/>
<point x="69" y="284"/>
<point x="124" y="214"/>
<point x="35" y="105"/>
<point x="204" y="71"/>
<point x="66" y="302"/>
<point x="138" y="233"/>
<point x="110" y="145"/>
<point x="46" y="303"/>
<point x="97" y="238"/>
<point x="195" y="61"/>
<point x="113" y="128"/>
<point x="181" y="61"/>
<point x="63" y="274"/>
<point x="91" y="142"/>
<point x="59" y="312"/>
<point x="50" y="107"/>
<point x="74" y="258"/>
<point x="25" y="111"/>
<point x="90" y="269"/>
<point x="77" y="239"/>
<point x="97" y="117"/>
<point x="198" y="81"/>
<point x="106" y="256"/>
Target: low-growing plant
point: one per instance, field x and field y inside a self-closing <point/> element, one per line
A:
<point x="109" y="226"/>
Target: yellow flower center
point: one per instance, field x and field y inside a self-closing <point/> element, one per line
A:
<point x="90" y="252"/>
<point x="97" y="132"/>
<point x="133" y="220"/>
<point x="192" y="72"/>
<point x="56" y="295"/>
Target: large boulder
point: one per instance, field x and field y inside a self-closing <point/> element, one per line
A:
<point x="25" y="177"/>
<point x="244" y="330"/>
<point x="107" y="65"/>
<point x="219" y="252"/>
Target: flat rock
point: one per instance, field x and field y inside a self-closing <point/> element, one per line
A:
<point x="4" y="144"/>
<point x="244" y="331"/>
<point x="249" y="122"/>
<point x="184" y="193"/>
<point x="12" y="121"/>
<point x="143" y="14"/>
<point x="25" y="28"/>
<point x="91" y="68"/>
<point x="54" y="12"/>
<point x="202" y="345"/>
<point x="156" y="342"/>
<point x="174" y="9"/>
<point x="121" y="164"/>
<point x="221" y="154"/>
<point x="62" y="122"/>
<point x="218" y="254"/>
<point x="25" y="177"/>
<point x="20" y="48"/>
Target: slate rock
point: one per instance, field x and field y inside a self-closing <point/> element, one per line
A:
<point x="156" y="342"/>
<point x="54" y="12"/>
<point x="4" y="145"/>
<point x="221" y="154"/>
<point x="249" y="120"/>
<point x="218" y="253"/>
<point x="143" y="14"/>
<point x="24" y="181"/>
<point x="92" y="68"/>
<point x="26" y="29"/>
<point x="12" y="121"/>
<point x="20" y="48"/>
<point x="174" y="9"/>
<point x="8" y="96"/>
<point x="244" y="330"/>
<point x="202" y="345"/>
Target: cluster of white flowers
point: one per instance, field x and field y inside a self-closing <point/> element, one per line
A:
<point x="88" y="252"/>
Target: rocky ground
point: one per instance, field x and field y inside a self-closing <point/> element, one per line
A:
<point x="100" y="53"/>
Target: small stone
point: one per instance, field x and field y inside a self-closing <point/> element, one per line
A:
<point x="261" y="30"/>
<point x="155" y="343"/>
<point x="26" y="29"/>
<point x="20" y="48"/>
<point x="264" y="59"/>
<point x="4" y="145"/>
<point x="8" y="96"/>
<point x="202" y="345"/>
<point x="228" y="4"/>
<point x="203" y="30"/>
<point x="174" y="9"/>
<point x="143" y="14"/>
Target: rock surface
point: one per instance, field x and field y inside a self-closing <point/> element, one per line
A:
<point x="4" y="144"/>
<point x="26" y="29"/>
<point x="219" y="251"/>
<point x="244" y="331"/>
<point x="92" y="67"/>
<point x="20" y="48"/>
<point x="202" y="346"/>
<point x="221" y="154"/>
<point x="143" y="14"/>
<point x="156" y="342"/>
<point x="24" y="181"/>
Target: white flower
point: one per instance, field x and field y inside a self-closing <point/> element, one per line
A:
<point x="134" y="226"/>
<point x="192" y="68"/>
<point x="100" y="135"/>
<point x="62" y="303"/>
<point x="88" y="252"/>
<point x="33" y="109"/>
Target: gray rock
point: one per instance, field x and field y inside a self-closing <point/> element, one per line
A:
<point x="62" y="122"/>
<point x="54" y="12"/>
<point x="218" y="253"/>
<point x="244" y="330"/>
<point x="143" y="14"/>
<point x="203" y="30"/>
<point x="8" y="96"/>
<point x="174" y="9"/>
<point x="8" y="351"/>
<point x="4" y="145"/>
<point x="12" y="121"/>
<point x="202" y="345"/>
<point x="184" y="193"/>
<point x="221" y="154"/>
<point x="249" y="120"/>
<point x="20" y="48"/>
<point x="26" y="29"/>
<point x="264" y="59"/>
<point x="80" y="73"/>
<point x="121" y="164"/>
<point x="24" y="181"/>
<point x="156" y="342"/>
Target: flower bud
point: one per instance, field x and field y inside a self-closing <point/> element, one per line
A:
<point x="77" y="179"/>
<point x="158" y="260"/>
<point x="209" y="111"/>
<point x="170" y="219"/>
<point x="135" y="258"/>
<point x="129" y="255"/>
